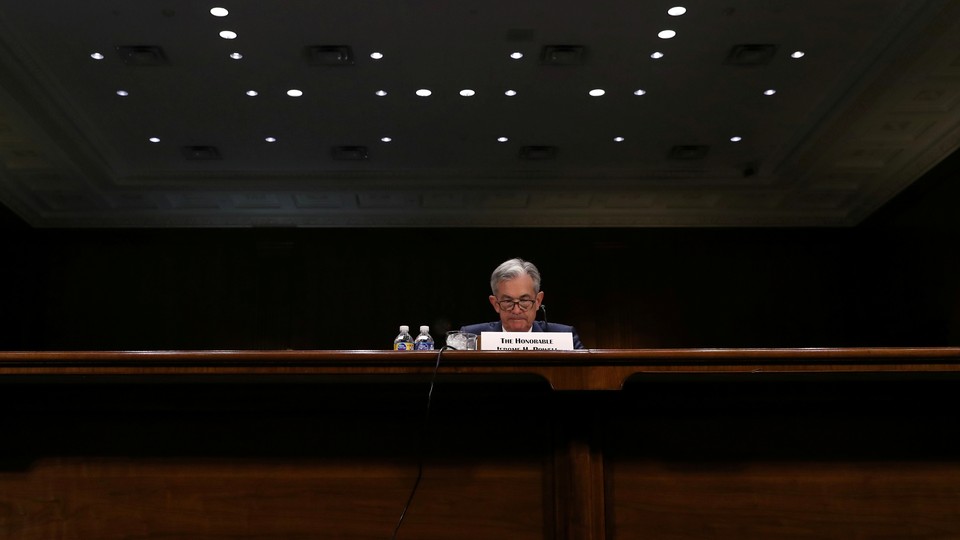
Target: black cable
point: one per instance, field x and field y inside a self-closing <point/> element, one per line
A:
<point x="422" y="449"/>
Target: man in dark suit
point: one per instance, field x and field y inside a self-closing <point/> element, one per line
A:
<point x="517" y="297"/>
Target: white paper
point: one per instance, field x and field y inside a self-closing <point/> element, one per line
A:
<point x="526" y="341"/>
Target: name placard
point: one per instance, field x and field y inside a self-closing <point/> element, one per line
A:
<point x="526" y="341"/>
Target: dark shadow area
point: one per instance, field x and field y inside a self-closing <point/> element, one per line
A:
<point x="348" y="289"/>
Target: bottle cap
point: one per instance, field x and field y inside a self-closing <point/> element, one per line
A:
<point x="425" y="329"/>
<point x="404" y="328"/>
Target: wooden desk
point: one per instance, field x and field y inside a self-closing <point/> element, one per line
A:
<point x="595" y="444"/>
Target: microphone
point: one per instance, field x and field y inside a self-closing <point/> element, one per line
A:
<point x="544" y="309"/>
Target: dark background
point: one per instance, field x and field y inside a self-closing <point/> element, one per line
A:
<point x="893" y="281"/>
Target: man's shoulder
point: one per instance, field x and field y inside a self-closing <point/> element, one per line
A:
<point x="538" y="326"/>
<point x="558" y="327"/>
<point x="481" y="327"/>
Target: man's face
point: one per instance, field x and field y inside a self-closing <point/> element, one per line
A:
<point x="517" y="319"/>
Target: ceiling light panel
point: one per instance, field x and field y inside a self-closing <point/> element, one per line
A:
<point x="330" y="55"/>
<point x="689" y="152"/>
<point x="563" y="55"/>
<point x="349" y="153"/>
<point x="142" y="55"/>
<point x="201" y="153"/>
<point x="751" y="54"/>
<point x="538" y="152"/>
<point x="544" y="103"/>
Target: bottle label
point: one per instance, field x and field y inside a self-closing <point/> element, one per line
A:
<point x="403" y="346"/>
<point x="423" y="345"/>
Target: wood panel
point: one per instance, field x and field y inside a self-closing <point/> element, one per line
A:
<point x="724" y="444"/>
<point x="276" y="289"/>
<point x="245" y="460"/>
<point x="795" y="459"/>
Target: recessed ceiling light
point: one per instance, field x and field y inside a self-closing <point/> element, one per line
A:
<point x="502" y="139"/>
<point x="466" y="92"/>
<point x="516" y="55"/>
<point x="676" y="11"/>
<point x="769" y="92"/>
<point x="154" y="139"/>
<point x="123" y="93"/>
<point x="293" y="92"/>
<point x="657" y="55"/>
<point x="510" y="93"/>
<point x="618" y="139"/>
<point x="381" y="93"/>
<point x="376" y="55"/>
<point x="228" y="34"/>
<point x="236" y="55"/>
<point x="386" y="139"/>
<point x="666" y="34"/>
<point x="597" y="92"/>
<point x="252" y="93"/>
<point x="271" y="139"/>
<point x="97" y="56"/>
<point x="736" y="138"/>
<point x="423" y="92"/>
<point x="797" y="54"/>
<point x="219" y="12"/>
<point x="639" y="92"/>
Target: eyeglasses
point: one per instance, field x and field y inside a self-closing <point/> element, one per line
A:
<point x="508" y="305"/>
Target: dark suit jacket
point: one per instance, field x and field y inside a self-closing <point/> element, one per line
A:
<point x="497" y="326"/>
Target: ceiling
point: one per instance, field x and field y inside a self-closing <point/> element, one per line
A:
<point x="872" y="105"/>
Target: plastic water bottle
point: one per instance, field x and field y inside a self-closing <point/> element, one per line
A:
<point x="403" y="341"/>
<point x="424" y="341"/>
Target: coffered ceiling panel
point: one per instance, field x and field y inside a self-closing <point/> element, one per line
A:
<point x="532" y="114"/>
